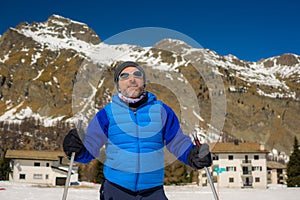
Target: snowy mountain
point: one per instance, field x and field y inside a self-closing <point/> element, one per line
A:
<point x="59" y="70"/>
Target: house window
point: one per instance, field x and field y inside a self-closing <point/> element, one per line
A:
<point x="36" y="164"/>
<point x="256" y="157"/>
<point x="231" y="168"/>
<point x="257" y="168"/>
<point x="47" y="176"/>
<point x="257" y="179"/>
<point x="231" y="179"/>
<point x="47" y="164"/>
<point x="37" y="176"/>
<point x="230" y="157"/>
<point x="215" y="157"/>
<point x="60" y="159"/>
<point x="22" y="176"/>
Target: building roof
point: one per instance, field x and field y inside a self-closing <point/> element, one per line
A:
<point x="34" y="155"/>
<point x="275" y="165"/>
<point x="237" y="147"/>
<point x="63" y="169"/>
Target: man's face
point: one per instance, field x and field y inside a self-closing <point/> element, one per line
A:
<point x="131" y="85"/>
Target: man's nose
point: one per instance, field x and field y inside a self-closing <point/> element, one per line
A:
<point x="131" y="78"/>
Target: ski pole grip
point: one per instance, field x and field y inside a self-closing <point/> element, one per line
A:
<point x="197" y="142"/>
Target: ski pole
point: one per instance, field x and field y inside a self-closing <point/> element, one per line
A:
<point x="212" y="186"/>
<point x="80" y="131"/>
<point x="68" y="176"/>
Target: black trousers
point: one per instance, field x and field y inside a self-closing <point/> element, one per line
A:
<point x="111" y="191"/>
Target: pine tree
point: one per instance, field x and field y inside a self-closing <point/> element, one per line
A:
<point x="293" y="167"/>
<point x="4" y="167"/>
<point x="98" y="177"/>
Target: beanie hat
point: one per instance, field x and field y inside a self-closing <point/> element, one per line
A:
<point x="124" y="65"/>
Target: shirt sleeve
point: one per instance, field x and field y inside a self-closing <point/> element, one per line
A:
<point x="177" y="142"/>
<point x="95" y="137"/>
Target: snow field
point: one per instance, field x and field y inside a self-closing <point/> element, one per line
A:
<point x="89" y="191"/>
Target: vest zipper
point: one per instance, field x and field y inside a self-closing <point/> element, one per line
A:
<point x="138" y="151"/>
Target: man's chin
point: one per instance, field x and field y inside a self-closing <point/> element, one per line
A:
<point x="134" y="94"/>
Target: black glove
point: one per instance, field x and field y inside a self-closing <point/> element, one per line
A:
<point x="200" y="157"/>
<point x="73" y="143"/>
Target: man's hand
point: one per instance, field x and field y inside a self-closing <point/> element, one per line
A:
<point x="72" y="143"/>
<point x="200" y="157"/>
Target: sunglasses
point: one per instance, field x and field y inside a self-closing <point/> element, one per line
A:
<point x="125" y="75"/>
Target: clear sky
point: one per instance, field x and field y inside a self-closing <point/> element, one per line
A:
<point x="248" y="29"/>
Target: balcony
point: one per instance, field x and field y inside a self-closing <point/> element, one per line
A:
<point x="246" y="173"/>
<point x="247" y="185"/>
<point x="246" y="163"/>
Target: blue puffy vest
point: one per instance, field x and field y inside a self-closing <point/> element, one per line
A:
<point x="134" y="150"/>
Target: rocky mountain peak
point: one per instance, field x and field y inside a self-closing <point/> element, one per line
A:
<point x="283" y="60"/>
<point x="60" y="27"/>
<point x="288" y="60"/>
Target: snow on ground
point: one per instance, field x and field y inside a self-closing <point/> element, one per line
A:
<point x="16" y="191"/>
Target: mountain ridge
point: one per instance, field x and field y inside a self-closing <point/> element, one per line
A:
<point x="41" y="63"/>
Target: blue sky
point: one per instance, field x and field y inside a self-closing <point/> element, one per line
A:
<point x="248" y="29"/>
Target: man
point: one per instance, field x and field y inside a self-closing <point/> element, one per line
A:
<point x="134" y="128"/>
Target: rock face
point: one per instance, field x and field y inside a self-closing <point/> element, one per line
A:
<point x="39" y="76"/>
<point x="41" y="65"/>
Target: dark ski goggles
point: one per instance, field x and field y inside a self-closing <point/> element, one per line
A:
<point x="125" y="75"/>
